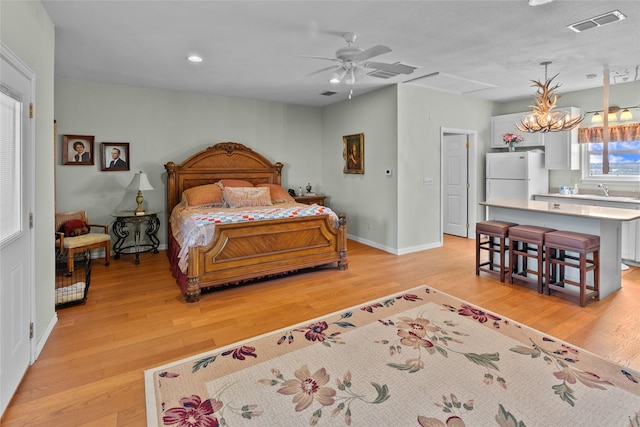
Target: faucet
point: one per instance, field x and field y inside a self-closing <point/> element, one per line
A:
<point x="605" y="189"/>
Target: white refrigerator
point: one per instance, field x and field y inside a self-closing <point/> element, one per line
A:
<point x="516" y="175"/>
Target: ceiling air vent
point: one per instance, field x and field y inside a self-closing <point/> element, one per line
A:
<point x="328" y="93"/>
<point x="597" y="21"/>
<point x="386" y="74"/>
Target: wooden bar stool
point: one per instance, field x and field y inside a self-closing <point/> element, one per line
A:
<point x="527" y="241"/>
<point x="557" y="243"/>
<point x="497" y="233"/>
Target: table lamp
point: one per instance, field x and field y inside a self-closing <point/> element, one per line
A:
<point x="140" y="183"/>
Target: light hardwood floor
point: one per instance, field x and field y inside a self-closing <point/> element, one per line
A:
<point x="90" y="372"/>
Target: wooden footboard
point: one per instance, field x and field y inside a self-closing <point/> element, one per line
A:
<point x="250" y="250"/>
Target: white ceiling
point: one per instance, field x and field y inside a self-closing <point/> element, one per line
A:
<point x="253" y="49"/>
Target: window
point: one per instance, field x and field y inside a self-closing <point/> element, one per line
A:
<point x="616" y="160"/>
<point x="10" y="162"/>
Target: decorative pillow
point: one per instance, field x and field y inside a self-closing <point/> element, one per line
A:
<point x="238" y="197"/>
<point x="233" y="183"/>
<point x="74" y="227"/>
<point x="204" y="195"/>
<point x="278" y="194"/>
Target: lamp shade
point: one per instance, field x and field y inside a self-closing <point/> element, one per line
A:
<point x="140" y="182"/>
<point x="626" y="115"/>
<point x="337" y="76"/>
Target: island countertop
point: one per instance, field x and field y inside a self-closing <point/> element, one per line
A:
<point x="569" y="209"/>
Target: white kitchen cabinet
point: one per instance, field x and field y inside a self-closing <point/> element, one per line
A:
<point x="506" y="123"/>
<point x="562" y="151"/>
<point x="561" y="148"/>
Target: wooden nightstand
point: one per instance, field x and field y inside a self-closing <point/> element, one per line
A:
<point x="310" y="200"/>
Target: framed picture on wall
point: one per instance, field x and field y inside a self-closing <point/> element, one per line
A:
<point x="115" y="156"/>
<point x="353" y="153"/>
<point x="77" y="150"/>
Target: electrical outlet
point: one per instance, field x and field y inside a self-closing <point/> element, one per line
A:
<point x="369" y="225"/>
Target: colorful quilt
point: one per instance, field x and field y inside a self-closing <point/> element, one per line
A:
<point x="194" y="226"/>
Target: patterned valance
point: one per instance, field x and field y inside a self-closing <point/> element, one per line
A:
<point x="620" y="133"/>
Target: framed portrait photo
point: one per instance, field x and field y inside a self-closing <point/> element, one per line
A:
<point x="77" y="150"/>
<point x="115" y="156"/>
<point x="353" y="153"/>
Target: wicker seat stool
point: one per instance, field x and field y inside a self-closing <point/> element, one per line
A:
<point x="497" y="233"/>
<point x="557" y="244"/>
<point x="527" y="242"/>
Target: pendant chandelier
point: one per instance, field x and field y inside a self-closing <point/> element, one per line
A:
<point x="542" y="118"/>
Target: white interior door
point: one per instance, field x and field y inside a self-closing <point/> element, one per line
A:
<point x="455" y="190"/>
<point x="16" y="240"/>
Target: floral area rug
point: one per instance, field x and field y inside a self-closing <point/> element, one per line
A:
<point x="419" y="358"/>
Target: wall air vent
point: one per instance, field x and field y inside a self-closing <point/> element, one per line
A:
<point x="328" y="93"/>
<point x="597" y="21"/>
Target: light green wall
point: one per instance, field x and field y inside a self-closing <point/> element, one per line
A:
<point x="162" y="126"/>
<point x="402" y="126"/>
<point x="27" y="30"/>
<point x="369" y="199"/>
<point x="422" y="114"/>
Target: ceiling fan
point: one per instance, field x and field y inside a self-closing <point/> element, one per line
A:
<point x="353" y="62"/>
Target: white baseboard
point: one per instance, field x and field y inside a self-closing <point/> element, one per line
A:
<point x="402" y="251"/>
<point x="45" y="336"/>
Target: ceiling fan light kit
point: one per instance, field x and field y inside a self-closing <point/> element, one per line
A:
<point x="542" y="118"/>
<point x="354" y="61"/>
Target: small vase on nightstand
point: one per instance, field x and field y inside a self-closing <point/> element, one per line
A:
<point x="512" y="146"/>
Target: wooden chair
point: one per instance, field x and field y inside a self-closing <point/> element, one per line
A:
<point x="77" y="244"/>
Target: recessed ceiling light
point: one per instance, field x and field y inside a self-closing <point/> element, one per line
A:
<point x="538" y="2"/>
<point x="194" y="58"/>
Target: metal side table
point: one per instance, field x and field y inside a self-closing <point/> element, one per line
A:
<point x="121" y="230"/>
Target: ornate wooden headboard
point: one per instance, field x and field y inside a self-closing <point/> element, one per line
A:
<point x="224" y="160"/>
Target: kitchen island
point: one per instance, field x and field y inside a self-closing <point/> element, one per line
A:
<point x="601" y="221"/>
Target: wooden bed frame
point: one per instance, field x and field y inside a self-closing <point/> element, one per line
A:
<point x="249" y="250"/>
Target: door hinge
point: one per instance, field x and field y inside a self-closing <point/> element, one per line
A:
<point x="467" y="225"/>
<point x="31" y="110"/>
<point x="30" y="219"/>
<point x="468" y="185"/>
<point x="30" y="330"/>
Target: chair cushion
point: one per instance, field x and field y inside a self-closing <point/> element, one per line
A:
<point x="494" y="228"/>
<point x="571" y="241"/>
<point x="85" y="240"/>
<point x="74" y="227"/>
<point x="529" y="234"/>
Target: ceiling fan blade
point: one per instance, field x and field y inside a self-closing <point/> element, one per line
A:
<point x="371" y="52"/>
<point x="320" y="57"/>
<point x="322" y="70"/>
<point x="392" y="68"/>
